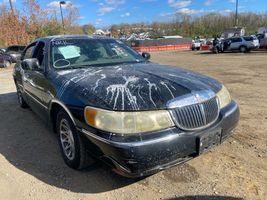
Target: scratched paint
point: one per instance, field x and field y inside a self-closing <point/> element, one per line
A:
<point x="123" y="90"/>
<point x="103" y="76"/>
<point x="131" y="87"/>
<point x="165" y="84"/>
<point x="150" y="87"/>
<point x="76" y="79"/>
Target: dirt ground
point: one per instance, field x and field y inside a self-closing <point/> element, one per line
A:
<point x="31" y="166"/>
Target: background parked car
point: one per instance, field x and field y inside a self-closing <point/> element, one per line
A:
<point x="2" y="50"/>
<point x="5" y="60"/>
<point x="242" y="44"/>
<point x="15" y="52"/>
<point x="262" y="40"/>
<point x="196" y="44"/>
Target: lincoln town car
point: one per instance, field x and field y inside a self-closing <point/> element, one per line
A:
<point x="107" y="102"/>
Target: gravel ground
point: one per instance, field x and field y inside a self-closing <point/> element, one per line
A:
<point x="31" y="166"/>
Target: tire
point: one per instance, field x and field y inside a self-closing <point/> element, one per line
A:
<point x="71" y="144"/>
<point x="243" y="49"/>
<point x="21" y="101"/>
<point x="198" y="48"/>
<point x="215" y="51"/>
<point x="7" y="63"/>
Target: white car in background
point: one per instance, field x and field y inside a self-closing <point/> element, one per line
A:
<point x="196" y="44"/>
<point x="242" y="44"/>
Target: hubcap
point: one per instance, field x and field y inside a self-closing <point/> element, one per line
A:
<point x="66" y="138"/>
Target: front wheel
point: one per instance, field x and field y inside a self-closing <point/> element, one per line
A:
<point x="243" y="49"/>
<point x="72" y="146"/>
<point x="21" y="101"/>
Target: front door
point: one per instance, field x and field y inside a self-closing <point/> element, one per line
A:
<point x="35" y="81"/>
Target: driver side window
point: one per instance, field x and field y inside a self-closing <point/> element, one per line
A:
<point x="28" y="52"/>
<point x="39" y="52"/>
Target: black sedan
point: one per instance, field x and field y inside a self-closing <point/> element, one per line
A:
<point x="106" y="101"/>
<point x="15" y="52"/>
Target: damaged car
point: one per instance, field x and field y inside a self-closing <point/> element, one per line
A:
<point x="105" y="101"/>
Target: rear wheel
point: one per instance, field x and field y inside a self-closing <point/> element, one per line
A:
<point x="243" y="49"/>
<point x="21" y="101"/>
<point x="72" y="146"/>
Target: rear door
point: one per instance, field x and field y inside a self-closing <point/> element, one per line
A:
<point x="235" y="43"/>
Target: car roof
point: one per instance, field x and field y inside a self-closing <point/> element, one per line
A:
<point x="54" y="37"/>
<point x="16" y="46"/>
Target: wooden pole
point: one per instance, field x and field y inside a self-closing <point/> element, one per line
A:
<point x="236" y="14"/>
<point x="11" y="7"/>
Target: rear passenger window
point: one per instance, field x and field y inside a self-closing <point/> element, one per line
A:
<point x="248" y="38"/>
<point x="39" y="53"/>
<point x="29" y="52"/>
<point x="236" y="40"/>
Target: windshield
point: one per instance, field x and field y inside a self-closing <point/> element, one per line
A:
<point x="73" y="53"/>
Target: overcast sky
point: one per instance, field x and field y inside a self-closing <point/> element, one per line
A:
<point x="105" y="12"/>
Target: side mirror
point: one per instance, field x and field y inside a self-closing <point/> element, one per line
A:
<point x="31" y="64"/>
<point x="146" y="55"/>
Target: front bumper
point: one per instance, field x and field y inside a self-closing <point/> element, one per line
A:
<point x="151" y="152"/>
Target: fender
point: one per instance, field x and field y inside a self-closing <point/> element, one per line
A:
<point x="56" y="101"/>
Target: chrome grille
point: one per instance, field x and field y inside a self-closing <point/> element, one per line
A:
<point x="197" y="115"/>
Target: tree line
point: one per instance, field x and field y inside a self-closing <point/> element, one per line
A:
<point x="23" y="26"/>
<point x="207" y="25"/>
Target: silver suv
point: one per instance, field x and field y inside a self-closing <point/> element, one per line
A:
<point x="243" y="44"/>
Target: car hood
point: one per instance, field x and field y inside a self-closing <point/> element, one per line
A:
<point x="143" y="86"/>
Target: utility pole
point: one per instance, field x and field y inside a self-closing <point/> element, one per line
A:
<point x="236" y="14"/>
<point x="62" y="3"/>
<point x="11" y="7"/>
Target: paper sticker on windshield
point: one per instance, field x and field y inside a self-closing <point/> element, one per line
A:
<point x="119" y="51"/>
<point x="69" y="51"/>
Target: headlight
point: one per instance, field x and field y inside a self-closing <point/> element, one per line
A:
<point x="127" y="122"/>
<point x="224" y="97"/>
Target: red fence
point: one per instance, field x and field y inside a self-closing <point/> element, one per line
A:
<point x="205" y="47"/>
<point x="163" y="47"/>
